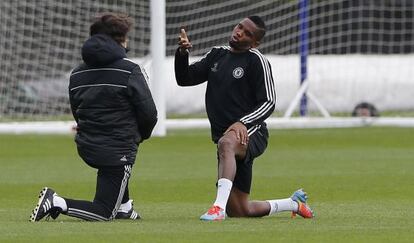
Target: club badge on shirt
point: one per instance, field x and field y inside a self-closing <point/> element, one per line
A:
<point x="238" y="72"/>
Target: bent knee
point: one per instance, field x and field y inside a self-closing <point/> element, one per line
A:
<point x="237" y="211"/>
<point x="226" y="143"/>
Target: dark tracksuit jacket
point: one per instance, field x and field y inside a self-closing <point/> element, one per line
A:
<point x="111" y="103"/>
<point x="240" y="87"/>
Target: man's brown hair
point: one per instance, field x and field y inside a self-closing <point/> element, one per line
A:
<point x="116" y="25"/>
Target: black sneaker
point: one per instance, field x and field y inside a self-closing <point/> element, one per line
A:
<point x="131" y="214"/>
<point x="45" y="206"/>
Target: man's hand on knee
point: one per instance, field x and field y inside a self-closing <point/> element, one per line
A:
<point x="241" y="132"/>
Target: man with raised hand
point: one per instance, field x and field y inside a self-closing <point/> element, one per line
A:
<point x="240" y="95"/>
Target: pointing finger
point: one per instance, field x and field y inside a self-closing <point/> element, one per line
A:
<point x="183" y="34"/>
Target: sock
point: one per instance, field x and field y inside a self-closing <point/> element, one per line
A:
<point x="281" y="205"/>
<point x="223" y="192"/>
<point x="125" y="207"/>
<point x="60" y="202"/>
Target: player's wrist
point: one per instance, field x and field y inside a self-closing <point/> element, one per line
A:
<point x="183" y="51"/>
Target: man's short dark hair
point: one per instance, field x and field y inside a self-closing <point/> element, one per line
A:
<point x="260" y="25"/>
<point x="116" y="25"/>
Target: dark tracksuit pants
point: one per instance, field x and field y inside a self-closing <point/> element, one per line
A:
<point x="111" y="191"/>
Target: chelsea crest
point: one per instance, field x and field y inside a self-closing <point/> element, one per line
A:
<point x="238" y="72"/>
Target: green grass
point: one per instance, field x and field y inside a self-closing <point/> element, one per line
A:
<point x="360" y="182"/>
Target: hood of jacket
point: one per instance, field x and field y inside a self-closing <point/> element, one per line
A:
<point x="100" y="50"/>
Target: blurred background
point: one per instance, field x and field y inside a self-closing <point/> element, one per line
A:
<point x="357" y="51"/>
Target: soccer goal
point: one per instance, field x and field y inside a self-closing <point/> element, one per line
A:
<point x="355" y="51"/>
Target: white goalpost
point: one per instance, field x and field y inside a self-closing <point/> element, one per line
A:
<point x="158" y="61"/>
<point x="357" y="51"/>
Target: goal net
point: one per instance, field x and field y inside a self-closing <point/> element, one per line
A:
<point x="358" y="50"/>
<point x="39" y="45"/>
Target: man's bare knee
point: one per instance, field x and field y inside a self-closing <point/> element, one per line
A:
<point x="225" y="144"/>
<point x="238" y="204"/>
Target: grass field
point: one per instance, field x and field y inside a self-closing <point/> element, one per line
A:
<point x="360" y="182"/>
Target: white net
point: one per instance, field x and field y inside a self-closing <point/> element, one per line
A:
<point x="40" y="42"/>
<point x="39" y="45"/>
<point x="335" y="27"/>
<point x="358" y="50"/>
